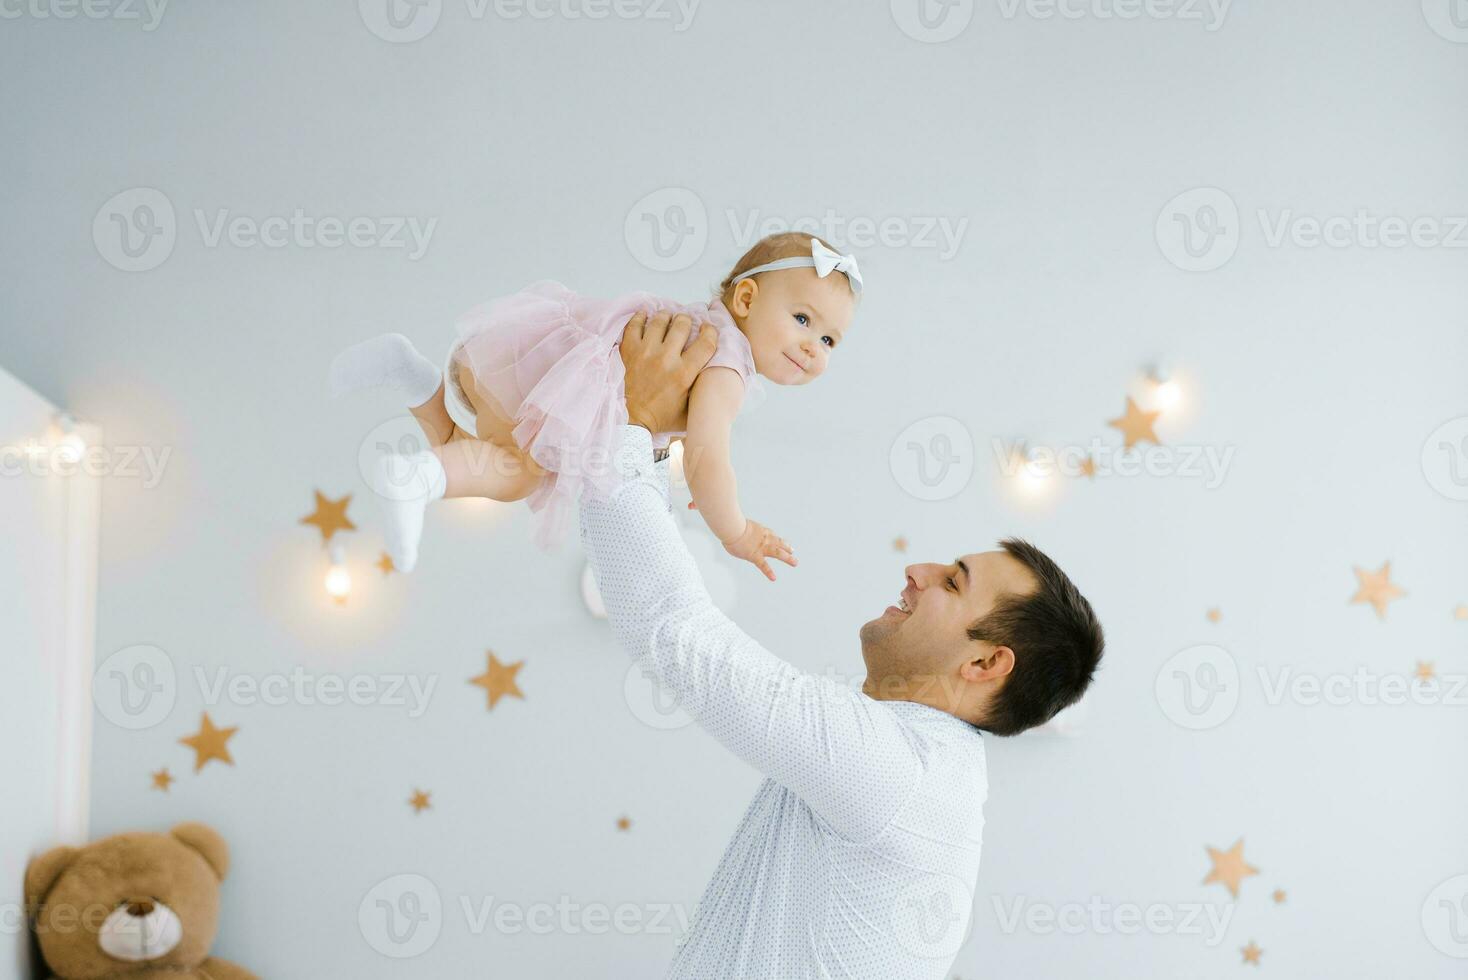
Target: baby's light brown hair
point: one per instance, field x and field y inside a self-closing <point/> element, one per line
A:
<point x="771" y="248"/>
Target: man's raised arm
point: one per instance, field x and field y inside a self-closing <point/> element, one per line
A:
<point x="844" y="754"/>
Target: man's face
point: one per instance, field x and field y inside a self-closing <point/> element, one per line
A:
<point x="930" y="639"/>
<point x="794" y="319"/>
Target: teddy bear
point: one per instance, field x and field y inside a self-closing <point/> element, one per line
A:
<point x="136" y="906"/>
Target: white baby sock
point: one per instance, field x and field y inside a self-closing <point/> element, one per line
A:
<point x="391" y="361"/>
<point x="404" y="485"/>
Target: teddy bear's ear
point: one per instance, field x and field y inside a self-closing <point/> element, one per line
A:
<point x="207" y="842"/>
<point x="42" y="873"/>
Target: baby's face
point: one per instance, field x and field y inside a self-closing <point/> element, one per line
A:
<point x="793" y="319"/>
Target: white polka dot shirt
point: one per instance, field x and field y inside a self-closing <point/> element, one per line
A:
<point x="859" y="854"/>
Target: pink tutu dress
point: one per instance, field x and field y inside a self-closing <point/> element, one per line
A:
<point x="550" y="358"/>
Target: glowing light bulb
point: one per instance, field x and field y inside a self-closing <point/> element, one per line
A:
<point x="1032" y="478"/>
<point x="1030" y="475"/>
<point x="71" y="448"/>
<point x="338" y="579"/>
<point x="1169" y="395"/>
<point x="338" y="583"/>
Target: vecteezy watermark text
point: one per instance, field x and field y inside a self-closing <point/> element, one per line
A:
<point x="1100" y="917"/>
<point x="1096" y="459"/>
<point x="1201" y="229"/>
<point x="124" y="10"/>
<point x="409" y="691"/>
<point x="936" y="21"/>
<point x="144" y="463"/>
<point x="1210" y="13"/>
<point x="1363" y="686"/>
<point x="406" y="21"/>
<point x="1201" y="686"/>
<point x="402" y="916"/>
<point x="136" y="230"/>
<point x="668" y="230"/>
<point x="943" y="233"/>
<point x="137" y="687"/>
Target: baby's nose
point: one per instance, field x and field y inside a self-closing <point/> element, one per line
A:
<point x="139" y="908"/>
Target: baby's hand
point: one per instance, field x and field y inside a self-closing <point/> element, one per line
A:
<point x="758" y="543"/>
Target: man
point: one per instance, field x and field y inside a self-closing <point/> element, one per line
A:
<point x="859" y="854"/>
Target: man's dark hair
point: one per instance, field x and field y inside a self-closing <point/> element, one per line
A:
<point x="1056" y="639"/>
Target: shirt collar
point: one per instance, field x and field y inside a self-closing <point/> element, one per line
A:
<point x="916" y="711"/>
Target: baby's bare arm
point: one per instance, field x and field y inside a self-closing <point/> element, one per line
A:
<point x="712" y="406"/>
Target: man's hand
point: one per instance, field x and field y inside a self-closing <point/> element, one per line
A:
<point x="660" y="372"/>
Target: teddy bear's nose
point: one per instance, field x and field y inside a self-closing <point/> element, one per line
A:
<point x="139" y="908"/>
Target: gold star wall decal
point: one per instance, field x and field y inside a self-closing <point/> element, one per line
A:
<point x="899" y="544"/>
<point x="1252" y="952"/>
<point x="419" y="801"/>
<point x="499" y="680"/>
<point x="1460" y="612"/>
<point x="1425" y="670"/>
<point x="162" y="780"/>
<point x="330" y="516"/>
<point x="1376" y="588"/>
<point x="385" y="563"/>
<point x="1135" y="425"/>
<point x="209" y="743"/>
<point x="1229" y="867"/>
<point x="1279" y="896"/>
<point x="623" y="823"/>
<point x="1088" y="468"/>
<point x="1214" y="614"/>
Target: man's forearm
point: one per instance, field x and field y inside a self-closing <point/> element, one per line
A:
<point x="830" y="745"/>
<point x="639" y="559"/>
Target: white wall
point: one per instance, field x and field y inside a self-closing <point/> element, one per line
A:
<point x="48" y="579"/>
<point x="1058" y="141"/>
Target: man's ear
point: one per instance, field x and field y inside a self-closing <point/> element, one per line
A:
<point x="741" y="297"/>
<point x="996" y="662"/>
<point x="42" y="873"/>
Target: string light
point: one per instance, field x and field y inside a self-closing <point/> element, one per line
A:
<point x="71" y="447"/>
<point x="1167" y="394"/>
<point x="338" y="579"/>
<point x="1030" y="474"/>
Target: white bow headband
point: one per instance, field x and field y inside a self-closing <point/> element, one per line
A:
<point x="822" y="259"/>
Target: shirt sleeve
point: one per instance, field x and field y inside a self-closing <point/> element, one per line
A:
<point x="733" y="352"/>
<point x="848" y="756"/>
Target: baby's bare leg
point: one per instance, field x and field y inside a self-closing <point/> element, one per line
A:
<point x="491" y="465"/>
<point x="479" y="468"/>
<point x="433" y="418"/>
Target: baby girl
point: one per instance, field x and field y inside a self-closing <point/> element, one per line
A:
<point x="531" y="397"/>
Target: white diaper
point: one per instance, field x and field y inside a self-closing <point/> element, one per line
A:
<point x="454" y="400"/>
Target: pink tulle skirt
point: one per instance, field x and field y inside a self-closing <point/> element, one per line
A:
<point x="550" y="359"/>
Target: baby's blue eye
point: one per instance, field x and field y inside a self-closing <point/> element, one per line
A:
<point x="828" y="341"/>
<point x="802" y="319"/>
